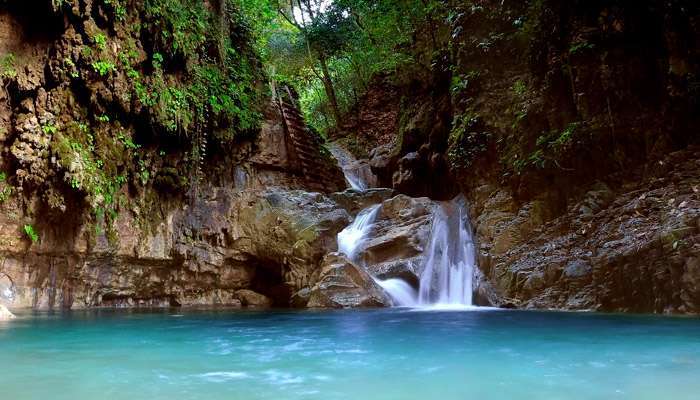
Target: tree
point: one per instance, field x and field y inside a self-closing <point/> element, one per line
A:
<point x="325" y="30"/>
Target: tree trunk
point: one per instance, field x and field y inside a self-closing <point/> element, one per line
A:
<point x="330" y="90"/>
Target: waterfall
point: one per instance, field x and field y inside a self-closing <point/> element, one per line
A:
<point x="358" y="174"/>
<point x="349" y="241"/>
<point x="402" y="294"/>
<point x="450" y="260"/>
<point x="350" y="238"/>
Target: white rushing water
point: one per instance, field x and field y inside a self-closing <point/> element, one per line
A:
<point x="402" y="294"/>
<point x="450" y="258"/>
<point x="357" y="174"/>
<point x="350" y="238"/>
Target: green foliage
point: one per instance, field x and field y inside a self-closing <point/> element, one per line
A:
<point x="57" y="4"/>
<point x="219" y="91"/>
<point x="103" y="68"/>
<point x="100" y="40"/>
<point x="31" y="233"/>
<point x="103" y="118"/>
<point x="467" y="141"/>
<point x="127" y="141"/>
<point x="356" y="39"/>
<point x="92" y="168"/>
<point x="183" y="25"/>
<point x="49" y="129"/>
<point x="550" y="148"/>
<point x="7" y="66"/>
<point x="157" y="60"/>
<point x="118" y="8"/>
<point x="72" y="69"/>
<point x="460" y="83"/>
<point x="144" y="173"/>
<point x="580" y="47"/>
<point x="520" y="88"/>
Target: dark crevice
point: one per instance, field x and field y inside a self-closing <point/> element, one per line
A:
<point x="269" y="280"/>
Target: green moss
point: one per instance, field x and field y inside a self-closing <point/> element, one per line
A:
<point x="100" y="40"/>
<point x="5" y="188"/>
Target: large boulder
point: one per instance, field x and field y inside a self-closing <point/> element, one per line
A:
<point x="354" y="201"/>
<point x="343" y="284"/>
<point x="250" y="298"/>
<point x="396" y="244"/>
<point x="275" y="238"/>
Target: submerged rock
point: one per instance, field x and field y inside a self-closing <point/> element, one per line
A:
<point x="343" y="284"/>
<point x="5" y="314"/>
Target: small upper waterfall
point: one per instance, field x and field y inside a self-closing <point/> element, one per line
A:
<point x="449" y="264"/>
<point x="350" y="238"/>
<point x="450" y="257"/>
<point x="357" y="173"/>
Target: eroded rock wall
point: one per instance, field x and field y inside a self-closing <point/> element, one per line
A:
<point x="132" y="175"/>
<point x="571" y="127"/>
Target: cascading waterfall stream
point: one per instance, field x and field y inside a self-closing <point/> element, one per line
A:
<point x="350" y="238"/>
<point x="450" y="259"/>
<point x="357" y="174"/>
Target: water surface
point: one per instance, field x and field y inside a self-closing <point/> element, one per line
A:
<point x="379" y="354"/>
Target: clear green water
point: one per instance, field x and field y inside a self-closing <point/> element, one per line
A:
<point x="384" y="354"/>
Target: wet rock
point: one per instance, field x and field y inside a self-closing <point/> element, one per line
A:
<point x="249" y="298"/>
<point x="354" y="201"/>
<point x="405" y="269"/>
<point x="357" y="172"/>
<point x="382" y="161"/>
<point x="343" y="284"/>
<point x="577" y="269"/>
<point x="301" y="298"/>
<point x="691" y="284"/>
<point x="485" y="294"/>
<point x="5" y="314"/>
<point x="398" y="238"/>
<point x="533" y="282"/>
<point x="200" y="254"/>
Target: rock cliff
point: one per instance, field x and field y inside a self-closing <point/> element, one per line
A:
<point x="131" y="177"/>
<point x="572" y="129"/>
<point x="141" y="168"/>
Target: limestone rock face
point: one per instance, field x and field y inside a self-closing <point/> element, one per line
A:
<point x="250" y="248"/>
<point x="635" y="250"/>
<point x="5" y="314"/>
<point x="343" y="284"/>
<point x="94" y="214"/>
